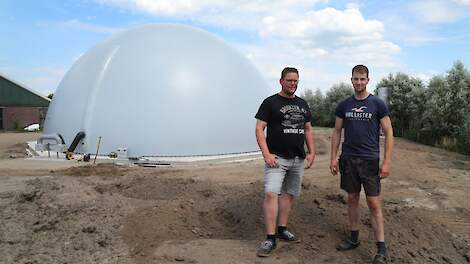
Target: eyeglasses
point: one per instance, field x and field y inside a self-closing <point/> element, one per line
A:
<point x="292" y="81"/>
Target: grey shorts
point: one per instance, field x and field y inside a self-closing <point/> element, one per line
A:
<point x="286" y="178"/>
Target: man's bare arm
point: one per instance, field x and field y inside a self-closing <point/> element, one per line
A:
<point x="269" y="158"/>
<point x="310" y="141"/>
<point x="388" y="148"/>
<point x="335" y="141"/>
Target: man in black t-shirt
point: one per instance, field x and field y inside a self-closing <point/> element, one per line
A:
<point x="288" y="122"/>
<point x="361" y="116"/>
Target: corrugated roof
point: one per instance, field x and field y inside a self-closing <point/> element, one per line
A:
<point x="10" y="101"/>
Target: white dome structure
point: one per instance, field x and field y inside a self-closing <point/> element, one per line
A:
<point x="159" y="90"/>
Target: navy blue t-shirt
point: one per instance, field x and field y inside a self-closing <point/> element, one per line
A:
<point x="361" y="123"/>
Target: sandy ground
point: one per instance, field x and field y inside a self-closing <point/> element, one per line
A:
<point x="72" y="212"/>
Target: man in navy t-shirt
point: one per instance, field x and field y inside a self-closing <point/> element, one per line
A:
<point x="362" y="115"/>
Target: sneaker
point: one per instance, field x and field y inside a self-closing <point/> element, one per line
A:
<point x="266" y="248"/>
<point x="380" y="259"/>
<point x="347" y="245"/>
<point x="287" y="236"/>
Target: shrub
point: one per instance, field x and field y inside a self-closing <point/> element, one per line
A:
<point x="463" y="137"/>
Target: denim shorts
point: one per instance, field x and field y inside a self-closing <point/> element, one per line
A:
<point x="286" y="178"/>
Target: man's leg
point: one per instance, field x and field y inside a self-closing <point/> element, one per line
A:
<point x="350" y="182"/>
<point x="291" y="188"/>
<point x="273" y="178"/>
<point x="353" y="211"/>
<point x="354" y="215"/>
<point x="270" y="207"/>
<point x="377" y="218"/>
<point x="378" y="226"/>
<point x="285" y="206"/>
<point x="372" y="187"/>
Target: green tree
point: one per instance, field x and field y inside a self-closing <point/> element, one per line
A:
<point x="463" y="136"/>
<point x="456" y="97"/>
<point x="447" y="105"/>
<point x="308" y="97"/>
<point x="316" y="103"/>
<point x="336" y="94"/>
<point x="406" y="103"/>
<point x="435" y="119"/>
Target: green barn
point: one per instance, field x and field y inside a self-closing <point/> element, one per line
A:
<point x="20" y="106"/>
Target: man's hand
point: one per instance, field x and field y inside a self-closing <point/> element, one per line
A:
<point x="309" y="160"/>
<point x="384" y="170"/>
<point x="334" y="166"/>
<point x="270" y="160"/>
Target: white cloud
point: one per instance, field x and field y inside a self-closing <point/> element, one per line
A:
<point x="462" y="2"/>
<point x="437" y="11"/>
<point x="320" y="72"/>
<point x="188" y="7"/>
<point x="329" y="34"/>
<point x="419" y="23"/>
<point x="291" y="32"/>
<point x="241" y="14"/>
<point x="321" y="22"/>
<point x="325" y="28"/>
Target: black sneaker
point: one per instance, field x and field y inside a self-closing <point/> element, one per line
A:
<point x="380" y="259"/>
<point x="347" y="245"/>
<point x="266" y="248"/>
<point x="287" y="236"/>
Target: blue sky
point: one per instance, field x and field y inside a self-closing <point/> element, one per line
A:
<point x="324" y="39"/>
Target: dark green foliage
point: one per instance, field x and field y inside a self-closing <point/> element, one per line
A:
<point x="435" y="115"/>
<point x="336" y="94"/>
<point x="323" y="107"/>
<point x="405" y="102"/>
<point x="315" y="101"/>
<point x="463" y="137"/>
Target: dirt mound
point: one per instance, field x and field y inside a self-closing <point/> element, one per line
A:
<point x="235" y="213"/>
<point x="14" y="151"/>
<point x="114" y="214"/>
<point x="13" y="144"/>
<point x="138" y="211"/>
<point x="103" y="169"/>
<point x="41" y="224"/>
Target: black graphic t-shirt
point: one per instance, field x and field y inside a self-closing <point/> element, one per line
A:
<point x="361" y="123"/>
<point x="285" y="118"/>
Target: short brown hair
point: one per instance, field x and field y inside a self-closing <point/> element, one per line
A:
<point x="287" y="70"/>
<point x="360" y="69"/>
